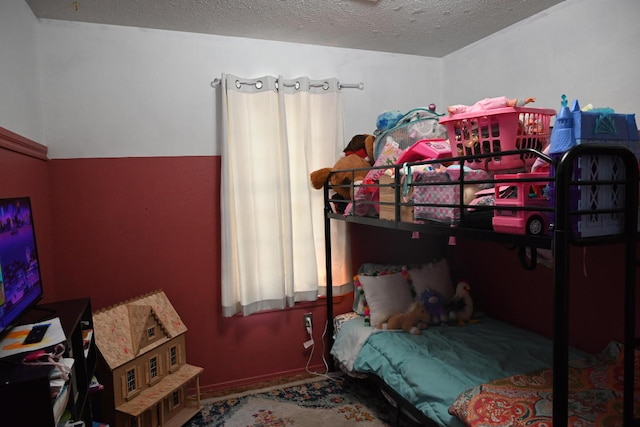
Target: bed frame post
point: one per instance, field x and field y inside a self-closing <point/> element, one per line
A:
<point x="631" y="234"/>
<point x="562" y="239"/>
<point x="561" y="233"/>
<point x="329" y="272"/>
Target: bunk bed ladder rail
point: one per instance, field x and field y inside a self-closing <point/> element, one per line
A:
<point x="562" y="239"/>
<point x="329" y="270"/>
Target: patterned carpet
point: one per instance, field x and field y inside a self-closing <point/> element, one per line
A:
<point x="308" y="403"/>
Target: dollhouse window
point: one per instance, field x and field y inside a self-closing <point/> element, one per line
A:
<point x="151" y="332"/>
<point x="153" y="367"/>
<point x="131" y="380"/>
<point x="175" y="398"/>
<point x="173" y="356"/>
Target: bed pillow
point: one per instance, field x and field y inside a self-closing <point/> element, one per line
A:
<point x="369" y="269"/>
<point x="433" y="276"/>
<point x="386" y="295"/>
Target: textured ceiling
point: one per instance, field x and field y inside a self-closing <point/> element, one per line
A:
<point x="431" y="28"/>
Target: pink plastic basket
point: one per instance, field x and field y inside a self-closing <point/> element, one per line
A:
<point x="497" y="130"/>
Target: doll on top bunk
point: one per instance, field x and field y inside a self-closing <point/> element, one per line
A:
<point x="489" y="104"/>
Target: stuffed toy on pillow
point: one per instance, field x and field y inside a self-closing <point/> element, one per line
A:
<point x="413" y="321"/>
<point x="435" y="304"/>
<point x="460" y="307"/>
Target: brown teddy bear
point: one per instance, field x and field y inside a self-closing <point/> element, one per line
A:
<point x="362" y="145"/>
<point x="342" y="182"/>
<point x="412" y="321"/>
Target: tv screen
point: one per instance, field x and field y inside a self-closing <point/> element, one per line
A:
<point x="20" y="283"/>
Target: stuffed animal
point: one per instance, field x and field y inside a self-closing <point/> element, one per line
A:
<point x="461" y="305"/>
<point x="387" y="120"/>
<point x="412" y="321"/>
<point x="349" y="161"/>
<point x="362" y="145"/>
<point x="434" y="302"/>
<point x="345" y="178"/>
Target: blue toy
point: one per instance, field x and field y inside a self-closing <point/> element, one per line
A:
<point x="435" y="304"/>
<point x="388" y="120"/>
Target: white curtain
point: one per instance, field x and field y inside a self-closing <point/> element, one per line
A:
<point x="276" y="132"/>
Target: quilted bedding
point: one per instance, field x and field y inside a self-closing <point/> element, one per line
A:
<point x="431" y="370"/>
<point x="595" y="397"/>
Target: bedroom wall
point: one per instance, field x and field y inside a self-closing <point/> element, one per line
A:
<point x="20" y="103"/>
<point x="586" y="49"/>
<point x="23" y="165"/>
<point x="503" y="288"/>
<point x="129" y="117"/>
<point x="131" y="121"/>
<point x="589" y="50"/>
<point x="125" y="92"/>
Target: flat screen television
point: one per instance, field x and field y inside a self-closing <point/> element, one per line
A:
<point x="20" y="280"/>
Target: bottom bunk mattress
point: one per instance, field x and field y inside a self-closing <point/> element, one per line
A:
<point x="432" y="369"/>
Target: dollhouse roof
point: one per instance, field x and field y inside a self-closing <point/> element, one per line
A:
<point x="120" y="330"/>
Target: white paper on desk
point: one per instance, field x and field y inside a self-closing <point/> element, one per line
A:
<point x="12" y="343"/>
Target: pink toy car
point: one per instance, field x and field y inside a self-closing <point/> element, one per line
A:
<point x="511" y="196"/>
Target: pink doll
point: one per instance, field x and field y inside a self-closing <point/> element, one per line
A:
<point x="489" y="104"/>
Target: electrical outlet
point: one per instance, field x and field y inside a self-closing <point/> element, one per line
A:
<point x="308" y="320"/>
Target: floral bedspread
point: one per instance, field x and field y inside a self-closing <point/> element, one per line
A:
<point x="595" y="396"/>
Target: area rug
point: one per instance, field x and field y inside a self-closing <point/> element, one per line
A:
<point x="308" y="403"/>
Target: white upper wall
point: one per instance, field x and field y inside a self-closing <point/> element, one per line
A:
<point x="113" y="91"/>
<point x="110" y="91"/>
<point x="20" y="102"/>
<point x="586" y="49"/>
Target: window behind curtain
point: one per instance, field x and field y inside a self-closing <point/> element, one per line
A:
<point x="276" y="132"/>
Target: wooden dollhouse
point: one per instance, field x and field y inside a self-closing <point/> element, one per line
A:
<point x="142" y="364"/>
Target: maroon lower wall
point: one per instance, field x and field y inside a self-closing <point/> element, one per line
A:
<point x="502" y="287"/>
<point x="113" y="229"/>
<point x="127" y="226"/>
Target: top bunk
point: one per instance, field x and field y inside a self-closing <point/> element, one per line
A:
<point x="513" y="178"/>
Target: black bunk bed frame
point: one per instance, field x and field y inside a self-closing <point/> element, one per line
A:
<point x="560" y="238"/>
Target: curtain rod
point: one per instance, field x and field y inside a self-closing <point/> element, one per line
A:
<point x="216" y="82"/>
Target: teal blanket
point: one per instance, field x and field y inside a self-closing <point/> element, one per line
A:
<point x="432" y="369"/>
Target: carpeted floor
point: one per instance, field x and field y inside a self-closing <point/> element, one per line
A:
<point x="308" y="402"/>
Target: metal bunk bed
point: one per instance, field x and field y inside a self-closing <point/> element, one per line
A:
<point x="561" y="237"/>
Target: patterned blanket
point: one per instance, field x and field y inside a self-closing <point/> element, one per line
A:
<point x="595" y="396"/>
